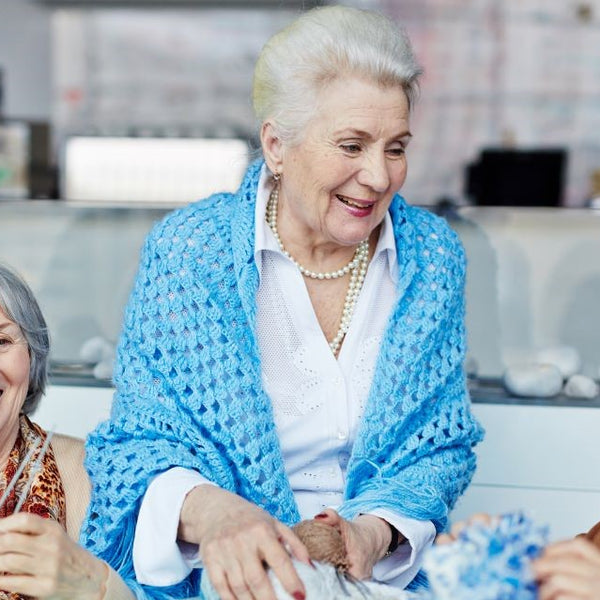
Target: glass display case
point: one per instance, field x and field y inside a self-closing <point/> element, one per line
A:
<point x="533" y="285"/>
<point x="80" y="260"/>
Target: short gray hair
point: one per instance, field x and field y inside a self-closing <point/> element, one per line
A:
<point x="321" y="46"/>
<point x="19" y="304"/>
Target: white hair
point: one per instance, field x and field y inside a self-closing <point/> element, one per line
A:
<point x="322" y="45"/>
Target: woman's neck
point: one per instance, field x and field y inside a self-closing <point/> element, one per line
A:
<point x="7" y="442"/>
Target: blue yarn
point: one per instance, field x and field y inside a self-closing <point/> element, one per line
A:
<point x="189" y="390"/>
<point x="488" y="561"/>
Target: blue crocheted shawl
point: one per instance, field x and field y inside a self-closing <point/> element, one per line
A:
<point x="189" y="391"/>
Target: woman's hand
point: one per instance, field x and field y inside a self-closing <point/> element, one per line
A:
<point x="452" y="535"/>
<point x="238" y="542"/>
<point x="569" y="571"/>
<point x="37" y="558"/>
<point x="367" y="539"/>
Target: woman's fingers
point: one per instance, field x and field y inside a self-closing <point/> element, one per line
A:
<point x="239" y="542"/>
<point x="330" y="517"/>
<point x="278" y="559"/>
<point x="569" y="570"/>
<point x="452" y="535"/>
<point x="237" y="564"/>
<point x="576" y="547"/>
<point x="444" y="538"/>
<point x="19" y="584"/>
<point x="257" y="581"/>
<point x="38" y="559"/>
<point x="25" y="553"/>
<point x="235" y="581"/>
<point x="30" y="585"/>
<point x="565" y="587"/>
<point x="26" y="523"/>
<point x="481" y="518"/>
<point x="218" y="578"/>
<point x="576" y="557"/>
<point x="223" y="563"/>
<point x="293" y="544"/>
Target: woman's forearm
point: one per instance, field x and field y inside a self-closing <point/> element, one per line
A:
<point x="197" y="508"/>
<point x="378" y="534"/>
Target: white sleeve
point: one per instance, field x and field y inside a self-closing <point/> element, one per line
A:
<point x="158" y="557"/>
<point x="400" y="568"/>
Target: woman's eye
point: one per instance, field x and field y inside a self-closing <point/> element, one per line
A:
<point x="399" y="151"/>
<point x="351" y="148"/>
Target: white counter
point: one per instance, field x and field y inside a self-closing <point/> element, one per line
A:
<point x="542" y="458"/>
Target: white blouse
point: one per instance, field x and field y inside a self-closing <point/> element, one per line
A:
<point x="317" y="403"/>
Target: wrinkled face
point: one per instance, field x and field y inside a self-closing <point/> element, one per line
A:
<point x="339" y="180"/>
<point x="14" y="378"/>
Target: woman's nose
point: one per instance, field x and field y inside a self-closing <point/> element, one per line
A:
<point x="374" y="173"/>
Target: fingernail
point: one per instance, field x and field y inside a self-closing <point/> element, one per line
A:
<point x="321" y="516"/>
<point x="298" y="596"/>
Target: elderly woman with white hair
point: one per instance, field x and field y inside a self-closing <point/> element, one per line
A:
<point x="44" y="489"/>
<point x="295" y="349"/>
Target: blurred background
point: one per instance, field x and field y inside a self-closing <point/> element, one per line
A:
<point x="499" y="75"/>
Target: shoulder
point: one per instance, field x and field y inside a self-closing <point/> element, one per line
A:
<point x="69" y="448"/>
<point x="69" y="453"/>
<point x="433" y="230"/>
<point x="437" y="247"/>
<point x="206" y="221"/>
<point x="199" y="220"/>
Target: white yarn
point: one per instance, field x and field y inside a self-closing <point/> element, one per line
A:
<point x="324" y="583"/>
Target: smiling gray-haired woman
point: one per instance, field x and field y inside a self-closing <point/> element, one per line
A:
<point x="41" y="477"/>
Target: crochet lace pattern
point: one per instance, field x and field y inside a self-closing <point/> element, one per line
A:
<point x="189" y="391"/>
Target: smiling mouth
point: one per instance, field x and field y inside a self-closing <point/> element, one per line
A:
<point x="352" y="203"/>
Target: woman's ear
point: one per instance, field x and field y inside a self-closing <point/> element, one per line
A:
<point x="272" y="147"/>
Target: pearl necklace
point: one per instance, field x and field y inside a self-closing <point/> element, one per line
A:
<point x="357" y="268"/>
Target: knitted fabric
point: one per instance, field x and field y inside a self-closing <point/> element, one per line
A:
<point x="189" y="390"/>
<point x="488" y="561"/>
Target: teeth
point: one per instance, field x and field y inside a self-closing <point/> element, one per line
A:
<point x="350" y="203"/>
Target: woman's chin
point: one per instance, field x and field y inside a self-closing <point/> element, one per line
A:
<point x="352" y="236"/>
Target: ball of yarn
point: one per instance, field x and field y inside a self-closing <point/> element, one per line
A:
<point x="488" y="561"/>
<point x="323" y="542"/>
